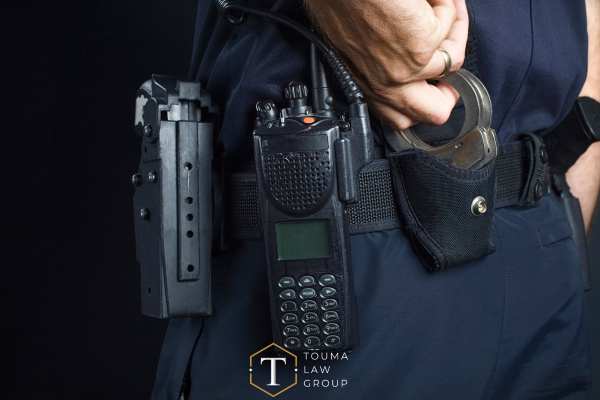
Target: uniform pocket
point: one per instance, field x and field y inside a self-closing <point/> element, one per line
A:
<point x="554" y="231"/>
<point x="544" y="351"/>
<point x="575" y="218"/>
<point x="557" y="248"/>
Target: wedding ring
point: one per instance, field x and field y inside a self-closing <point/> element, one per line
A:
<point x="447" y="63"/>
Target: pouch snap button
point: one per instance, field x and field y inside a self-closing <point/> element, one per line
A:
<point x="479" y="206"/>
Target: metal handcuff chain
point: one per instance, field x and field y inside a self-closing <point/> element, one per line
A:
<point x="476" y="144"/>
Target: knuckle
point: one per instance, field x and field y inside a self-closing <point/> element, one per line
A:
<point x="440" y="116"/>
<point x="460" y="60"/>
<point x="392" y="118"/>
<point x="393" y="73"/>
<point x="420" y="58"/>
<point x="380" y="92"/>
<point x="403" y="124"/>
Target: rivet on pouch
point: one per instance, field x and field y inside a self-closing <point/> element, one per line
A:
<point x="479" y="206"/>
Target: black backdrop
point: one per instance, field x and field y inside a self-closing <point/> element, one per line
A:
<point x="79" y="332"/>
<point x="69" y="101"/>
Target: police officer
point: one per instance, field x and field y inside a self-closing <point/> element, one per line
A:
<point x="509" y="326"/>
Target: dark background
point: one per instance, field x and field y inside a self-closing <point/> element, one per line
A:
<point x="73" y="70"/>
<point x="79" y="331"/>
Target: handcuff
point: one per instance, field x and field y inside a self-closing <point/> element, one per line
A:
<point x="476" y="144"/>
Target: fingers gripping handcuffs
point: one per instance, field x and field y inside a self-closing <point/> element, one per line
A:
<point x="476" y="143"/>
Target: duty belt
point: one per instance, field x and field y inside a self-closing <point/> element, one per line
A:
<point x="522" y="179"/>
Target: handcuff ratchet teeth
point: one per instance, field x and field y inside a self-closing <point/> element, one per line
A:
<point x="476" y="145"/>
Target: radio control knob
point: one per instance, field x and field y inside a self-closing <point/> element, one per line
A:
<point x="266" y="111"/>
<point x="296" y="93"/>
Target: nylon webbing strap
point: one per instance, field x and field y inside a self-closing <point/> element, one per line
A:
<point x="511" y="174"/>
<point x="376" y="208"/>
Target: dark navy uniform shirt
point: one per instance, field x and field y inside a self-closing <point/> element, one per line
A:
<point x="509" y="326"/>
<point x="531" y="56"/>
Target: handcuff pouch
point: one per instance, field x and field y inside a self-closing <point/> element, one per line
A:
<point x="447" y="212"/>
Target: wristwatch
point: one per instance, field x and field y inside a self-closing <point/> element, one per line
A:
<point x="571" y="138"/>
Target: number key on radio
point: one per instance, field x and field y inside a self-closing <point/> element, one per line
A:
<point x="288" y="306"/>
<point x="286" y="282"/>
<point x="309" y="305"/>
<point x="287" y="294"/>
<point x="310" y="317"/>
<point x="331" y="328"/>
<point x="330" y="316"/>
<point x="292" y="343"/>
<point x="311" y="329"/>
<point x="289" y="318"/>
<point x="332" y="341"/>
<point x="329" y="304"/>
<point x="327" y="292"/>
<point x="307" y="281"/>
<point x="308" y="293"/>
<point x="312" y="342"/>
<point x="291" y="330"/>
<point x="327" y="280"/>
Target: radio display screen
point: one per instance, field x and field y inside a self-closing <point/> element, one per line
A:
<point x="303" y="240"/>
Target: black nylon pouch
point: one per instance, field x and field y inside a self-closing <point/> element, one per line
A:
<point x="435" y="201"/>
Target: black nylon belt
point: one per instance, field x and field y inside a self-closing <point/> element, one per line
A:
<point x="521" y="180"/>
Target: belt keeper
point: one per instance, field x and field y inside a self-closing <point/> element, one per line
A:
<point x="536" y="181"/>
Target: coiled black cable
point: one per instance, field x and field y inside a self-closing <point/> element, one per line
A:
<point x="344" y="77"/>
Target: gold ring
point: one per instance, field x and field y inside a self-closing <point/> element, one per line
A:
<point x="447" y="63"/>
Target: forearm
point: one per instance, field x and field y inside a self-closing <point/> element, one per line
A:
<point x="591" y="88"/>
<point x="584" y="176"/>
<point x="584" y="181"/>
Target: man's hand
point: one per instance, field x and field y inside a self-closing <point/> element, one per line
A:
<point x="584" y="176"/>
<point x="393" y="47"/>
<point x="584" y="180"/>
<point x="591" y="87"/>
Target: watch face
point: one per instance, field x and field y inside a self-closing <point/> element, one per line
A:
<point x="589" y="111"/>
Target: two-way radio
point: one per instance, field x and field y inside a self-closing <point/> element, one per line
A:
<point x="305" y="174"/>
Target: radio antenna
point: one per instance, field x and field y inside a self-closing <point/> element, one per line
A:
<point x="322" y="100"/>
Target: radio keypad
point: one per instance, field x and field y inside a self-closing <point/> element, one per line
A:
<point x="309" y="312"/>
